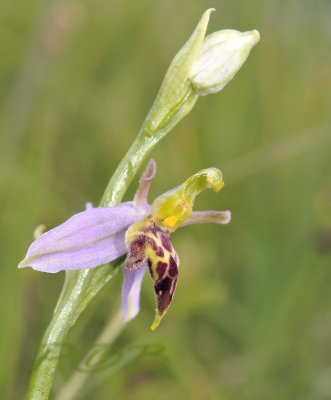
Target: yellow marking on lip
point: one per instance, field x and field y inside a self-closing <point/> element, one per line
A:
<point x="169" y="222"/>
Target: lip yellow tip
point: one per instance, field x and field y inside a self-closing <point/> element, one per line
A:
<point x="156" y="322"/>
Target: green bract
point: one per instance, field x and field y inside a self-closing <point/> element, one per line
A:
<point x="176" y="91"/>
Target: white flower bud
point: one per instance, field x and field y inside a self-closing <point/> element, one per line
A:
<point x="220" y="57"/>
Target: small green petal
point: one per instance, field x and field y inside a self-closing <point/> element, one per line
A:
<point x="175" y="206"/>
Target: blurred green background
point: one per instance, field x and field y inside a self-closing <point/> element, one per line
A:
<point x="251" y="318"/>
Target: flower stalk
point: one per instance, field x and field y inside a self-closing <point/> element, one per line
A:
<point x="81" y="290"/>
<point x="86" y="283"/>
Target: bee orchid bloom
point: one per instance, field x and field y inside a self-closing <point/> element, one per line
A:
<point x="100" y="235"/>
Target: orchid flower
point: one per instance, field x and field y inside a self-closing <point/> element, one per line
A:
<point x="100" y="235"/>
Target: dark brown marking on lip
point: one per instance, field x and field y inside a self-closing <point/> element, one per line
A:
<point x="161" y="269"/>
<point x="160" y="252"/>
<point x="166" y="242"/>
<point x="152" y="242"/>
<point x="163" y="284"/>
<point x="149" y="263"/>
<point x="163" y="293"/>
<point x="173" y="270"/>
<point x="153" y="231"/>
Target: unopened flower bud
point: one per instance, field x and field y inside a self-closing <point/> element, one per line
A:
<point x="220" y="57"/>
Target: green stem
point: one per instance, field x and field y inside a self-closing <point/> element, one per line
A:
<point x="138" y="152"/>
<point x="108" y="335"/>
<point x="83" y="288"/>
<point x="87" y="283"/>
